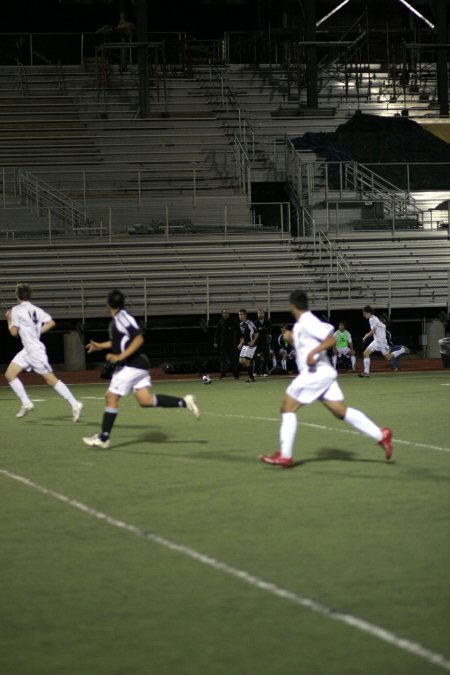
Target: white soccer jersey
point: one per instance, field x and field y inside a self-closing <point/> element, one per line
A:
<point x="28" y="319"/>
<point x="309" y="331"/>
<point x="378" y="327"/>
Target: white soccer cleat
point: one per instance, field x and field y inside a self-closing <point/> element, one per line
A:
<point x="76" y="411"/>
<point x="25" y="409"/>
<point x="191" y="405"/>
<point x="96" y="442"/>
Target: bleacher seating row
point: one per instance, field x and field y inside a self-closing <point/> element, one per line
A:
<point x="183" y="277"/>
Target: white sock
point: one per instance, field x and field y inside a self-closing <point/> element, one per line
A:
<point x="18" y="388"/>
<point x="399" y="352"/>
<point x="64" y="391"/>
<point x="334" y="359"/>
<point x="288" y="429"/>
<point x="366" y="365"/>
<point x="284" y="365"/>
<point x="353" y="360"/>
<point x="361" y="422"/>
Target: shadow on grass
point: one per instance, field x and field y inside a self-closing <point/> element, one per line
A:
<point x="335" y="455"/>
<point x="150" y="437"/>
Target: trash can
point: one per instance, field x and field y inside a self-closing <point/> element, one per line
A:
<point x="444" y="348"/>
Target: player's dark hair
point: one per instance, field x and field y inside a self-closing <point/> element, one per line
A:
<point x="368" y="309"/>
<point x="343" y="323"/>
<point x="116" y="299"/>
<point x="244" y="311"/>
<point x="23" y="291"/>
<point x="299" y="299"/>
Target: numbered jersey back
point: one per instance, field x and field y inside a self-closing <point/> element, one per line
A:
<point x="29" y="319"/>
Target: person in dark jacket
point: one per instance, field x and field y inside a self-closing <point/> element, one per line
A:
<point x="225" y="340"/>
<point x="263" y="343"/>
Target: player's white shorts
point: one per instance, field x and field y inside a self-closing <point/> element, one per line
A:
<point x="343" y="351"/>
<point x="312" y="385"/>
<point x="379" y="346"/>
<point x="129" y="379"/>
<point x="247" y="352"/>
<point x="36" y="360"/>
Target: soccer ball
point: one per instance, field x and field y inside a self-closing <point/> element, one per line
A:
<point x="206" y="379"/>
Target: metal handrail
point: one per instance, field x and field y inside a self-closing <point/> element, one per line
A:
<point x="397" y="200"/>
<point x="246" y="132"/>
<point x="243" y="167"/>
<point x="37" y="192"/>
<point x="22" y="78"/>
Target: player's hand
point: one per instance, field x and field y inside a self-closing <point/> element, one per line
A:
<point x="113" y="358"/>
<point x="92" y="347"/>
<point x="312" y="358"/>
<point x="8" y="314"/>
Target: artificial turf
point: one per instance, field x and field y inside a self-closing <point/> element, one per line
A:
<point x="344" y="528"/>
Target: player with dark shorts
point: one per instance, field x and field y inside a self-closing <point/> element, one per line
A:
<point x="131" y="370"/>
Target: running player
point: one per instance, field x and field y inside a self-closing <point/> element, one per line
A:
<point x="131" y="370"/>
<point x="379" y="342"/>
<point x="316" y="382"/>
<point x="344" y="345"/>
<point x="247" y="343"/>
<point x="29" y="322"/>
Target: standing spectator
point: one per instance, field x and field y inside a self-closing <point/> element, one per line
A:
<point x="225" y="340"/>
<point x="247" y="343"/>
<point x="264" y="328"/>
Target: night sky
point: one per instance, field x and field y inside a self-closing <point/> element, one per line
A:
<point x="207" y="18"/>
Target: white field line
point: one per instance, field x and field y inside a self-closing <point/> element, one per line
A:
<point x="325" y="428"/>
<point x="307" y="603"/>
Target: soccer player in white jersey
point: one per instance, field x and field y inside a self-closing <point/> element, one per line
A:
<point x="316" y="382"/>
<point x="130" y="372"/>
<point x="379" y="342"/>
<point x="29" y="322"/>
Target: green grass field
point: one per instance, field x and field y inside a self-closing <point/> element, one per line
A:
<point x="81" y="595"/>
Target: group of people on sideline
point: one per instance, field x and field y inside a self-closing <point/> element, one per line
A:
<point x="256" y="347"/>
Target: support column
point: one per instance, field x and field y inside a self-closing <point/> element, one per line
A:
<point x="442" y="54"/>
<point x="311" y="55"/>
<point x="435" y="331"/>
<point x="142" y="36"/>
<point x="74" y="352"/>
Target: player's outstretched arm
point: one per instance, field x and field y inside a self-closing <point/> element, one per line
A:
<point x="134" y="345"/>
<point x="326" y="344"/>
<point x="97" y="346"/>
<point x="47" y="326"/>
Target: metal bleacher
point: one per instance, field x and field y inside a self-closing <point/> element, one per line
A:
<point x="176" y="179"/>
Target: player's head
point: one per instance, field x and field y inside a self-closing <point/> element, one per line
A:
<point x="367" y="311"/>
<point x="261" y="313"/>
<point x="242" y="314"/>
<point x="23" y="291"/>
<point x="225" y="313"/>
<point x="342" y="326"/>
<point x="298" y="302"/>
<point x="116" y="300"/>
